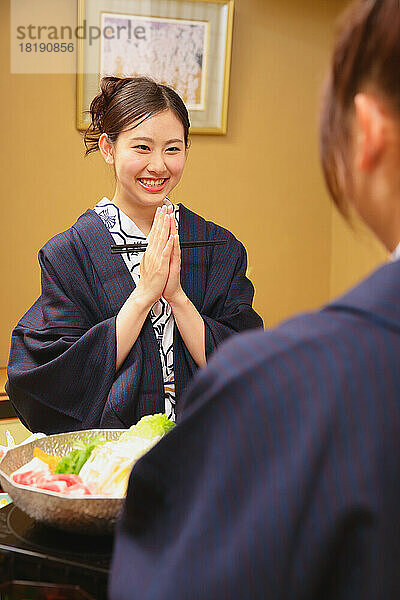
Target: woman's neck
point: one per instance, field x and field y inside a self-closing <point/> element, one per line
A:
<point x="386" y="203"/>
<point x="142" y="216"/>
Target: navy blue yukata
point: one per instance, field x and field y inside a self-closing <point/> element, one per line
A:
<point x="287" y="485"/>
<point x="61" y="372"/>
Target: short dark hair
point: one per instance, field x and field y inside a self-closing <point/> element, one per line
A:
<point x="366" y="52"/>
<point x="124" y="101"/>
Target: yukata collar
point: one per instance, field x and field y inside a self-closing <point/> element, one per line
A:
<point x="126" y="222"/>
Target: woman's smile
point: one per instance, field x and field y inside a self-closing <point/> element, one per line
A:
<point x="152" y="184"/>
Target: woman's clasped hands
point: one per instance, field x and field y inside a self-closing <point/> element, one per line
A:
<point x="161" y="263"/>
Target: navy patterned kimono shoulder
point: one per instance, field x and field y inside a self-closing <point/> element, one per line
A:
<point x="61" y="371"/>
<point x="288" y="484"/>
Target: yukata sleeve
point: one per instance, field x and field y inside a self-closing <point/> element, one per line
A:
<point x="62" y="358"/>
<point x="227" y="307"/>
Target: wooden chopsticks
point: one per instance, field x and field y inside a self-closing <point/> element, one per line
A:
<point x="142" y="246"/>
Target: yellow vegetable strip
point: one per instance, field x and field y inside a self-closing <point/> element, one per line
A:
<point x="50" y="459"/>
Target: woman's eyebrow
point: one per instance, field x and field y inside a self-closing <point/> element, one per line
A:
<point x="144" y="139"/>
<point x="148" y="139"/>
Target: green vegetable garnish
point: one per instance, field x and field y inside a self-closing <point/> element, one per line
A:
<point x="149" y="427"/>
<point x="74" y="460"/>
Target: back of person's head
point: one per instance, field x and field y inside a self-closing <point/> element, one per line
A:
<point x="123" y="103"/>
<point x="366" y="57"/>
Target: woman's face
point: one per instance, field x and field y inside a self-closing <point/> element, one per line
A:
<point x="149" y="160"/>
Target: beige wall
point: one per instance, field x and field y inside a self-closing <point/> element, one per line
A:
<point x="17" y="430"/>
<point x="262" y="180"/>
<point x="355" y="252"/>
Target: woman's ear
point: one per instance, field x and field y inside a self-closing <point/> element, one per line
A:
<point x="370" y="130"/>
<point x="106" y="149"/>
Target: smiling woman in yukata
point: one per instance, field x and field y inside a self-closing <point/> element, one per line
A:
<point x="116" y="337"/>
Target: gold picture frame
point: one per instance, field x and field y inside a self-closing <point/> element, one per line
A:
<point x="194" y="41"/>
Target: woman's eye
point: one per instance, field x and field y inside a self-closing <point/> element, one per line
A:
<point x="142" y="147"/>
<point x="173" y="149"/>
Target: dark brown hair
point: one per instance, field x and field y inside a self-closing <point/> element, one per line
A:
<point x="126" y="102"/>
<point x="366" y="53"/>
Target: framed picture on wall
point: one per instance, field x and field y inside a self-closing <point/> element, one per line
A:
<point x="185" y="44"/>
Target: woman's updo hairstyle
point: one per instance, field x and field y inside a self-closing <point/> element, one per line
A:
<point x="124" y="103"/>
<point x="366" y="55"/>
